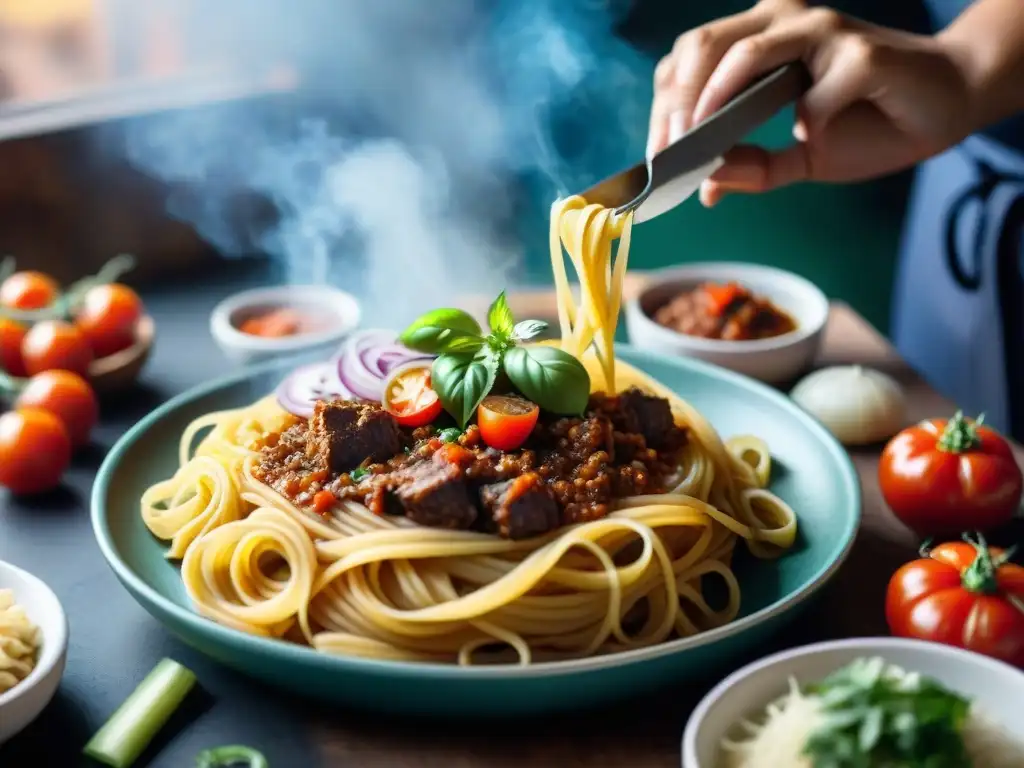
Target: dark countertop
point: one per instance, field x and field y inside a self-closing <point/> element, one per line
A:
<point x="113" y="641"/>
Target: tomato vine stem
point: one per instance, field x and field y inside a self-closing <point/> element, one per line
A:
<point x="960" y="434"/>
<point x="980" y="576"/>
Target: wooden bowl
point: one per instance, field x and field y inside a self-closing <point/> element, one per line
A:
<point x="119" y="371"/>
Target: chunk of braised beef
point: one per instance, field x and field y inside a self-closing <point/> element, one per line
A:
<point x="346" y="434"/>
<point x="647" y="415"/>
<point x="434" y="494"/>
<point x="522" y="507"/>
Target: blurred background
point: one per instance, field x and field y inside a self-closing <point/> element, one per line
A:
<point x="394" y="147"/>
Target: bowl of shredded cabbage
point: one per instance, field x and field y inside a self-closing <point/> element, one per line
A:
<point x="867" y="702"/>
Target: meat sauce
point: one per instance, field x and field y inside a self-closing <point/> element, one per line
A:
<point x="728" y="312"/>
<point x="570" y="470"/>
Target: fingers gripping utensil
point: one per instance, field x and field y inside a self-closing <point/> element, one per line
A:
<point x="671" y="176"/>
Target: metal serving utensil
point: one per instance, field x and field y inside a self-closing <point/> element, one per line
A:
<point x="671" y="176"/>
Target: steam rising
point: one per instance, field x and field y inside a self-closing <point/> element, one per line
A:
<point x="425" y="143"/>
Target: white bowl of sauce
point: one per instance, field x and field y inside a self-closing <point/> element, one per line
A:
<point x="263" y="323"/>
<point x="760" y="321"/>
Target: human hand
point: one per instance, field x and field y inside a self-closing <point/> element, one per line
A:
<point x="881" y="99"/>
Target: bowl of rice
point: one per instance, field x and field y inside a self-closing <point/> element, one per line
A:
<point x="882" y="701"/>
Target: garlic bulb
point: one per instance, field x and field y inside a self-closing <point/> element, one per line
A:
<point x="857" y="405"/>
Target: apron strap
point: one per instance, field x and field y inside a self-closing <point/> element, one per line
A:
<point x="999" y="199"/>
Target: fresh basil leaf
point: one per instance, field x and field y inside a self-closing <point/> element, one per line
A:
<point x="462" y="381"/>
<point x="436" y="331"/>
<point x="528" y="329"/>
<point x="499" y="317"/>
<point x="449" y="435"/>
<point x="553" y="379"/>
<point x="460" y="344"/>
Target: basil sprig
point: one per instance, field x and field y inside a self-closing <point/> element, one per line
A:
<point x="469" y="361"/>
<point x="874" y="715"/>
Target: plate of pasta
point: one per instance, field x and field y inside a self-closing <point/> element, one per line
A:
<point x="528" y="523"/>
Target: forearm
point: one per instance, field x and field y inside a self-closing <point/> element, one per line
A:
<point x="988" y="42"/>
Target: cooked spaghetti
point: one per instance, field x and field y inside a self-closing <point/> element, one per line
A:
<point x="600" y="533"/>
<point x="19" y="642"/>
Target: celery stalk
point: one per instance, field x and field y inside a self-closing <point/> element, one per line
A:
<point x="235" y="754"/>
<point x="130" y="729"/>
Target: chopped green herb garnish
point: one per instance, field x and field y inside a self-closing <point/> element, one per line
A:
<point x="877" y="715"/>
<point x="450" y="435"/>
<point x="358" y="473"/>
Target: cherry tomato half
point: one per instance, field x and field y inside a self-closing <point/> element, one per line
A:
<point x="55" y="345"/>
<point x="34" y="451"/>
<point x="942" y="477"/>
<point x="108" y="317"/>
<point x="505" y="422"/>
<point x="963" y="594"/>
<point x="11" y="335"/>
<point x="28" y="290"/>
<point x="68" y="397"/>
<point x="408" y="396"/>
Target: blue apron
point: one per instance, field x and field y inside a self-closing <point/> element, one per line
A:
<point x="958" y="313"/>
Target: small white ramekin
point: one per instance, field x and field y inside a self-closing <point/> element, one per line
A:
<point x="339" y="309"/>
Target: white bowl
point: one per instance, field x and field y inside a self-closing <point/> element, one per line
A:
<point x="22" y="704"/>
<point x="339" y="309"/>
<point x="995" y="687"/>
<point x="776" y="360"/>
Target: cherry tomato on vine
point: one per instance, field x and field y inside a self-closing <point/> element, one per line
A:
<point x="68" y="397"/>
<point x="964" y="594"/>
<point x="28" y="290"/>
<point x="505" y="422"/>
<point x="55" y="345"/>
<point x="942" y="477"/>
<point x="34" y="451"/>
<point x="108" y="316"/>
<point x="11" y="335"/>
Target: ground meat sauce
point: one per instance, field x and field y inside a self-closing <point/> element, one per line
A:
<point x="728" y="312"/>
<point x="570" y="470"/>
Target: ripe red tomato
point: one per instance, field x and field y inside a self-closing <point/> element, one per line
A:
<point x="55" y="345"/>
<point x="11" y="335"/>
<point x="34" y="450"/>
<point x="506" y="422"/>
<point x="943" y="477"/>
<point x="409" y="398"/>
<point x="108" y="317"/>
<point x="964" y="594"/>
<point x="68" y="397"/>
<point x="28" y="290"/>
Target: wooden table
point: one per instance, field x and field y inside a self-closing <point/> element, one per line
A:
<point x="646" y="733"/>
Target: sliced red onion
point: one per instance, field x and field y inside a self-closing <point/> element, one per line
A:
<point x="301" y="389"/>
<point x="367" y="358"/>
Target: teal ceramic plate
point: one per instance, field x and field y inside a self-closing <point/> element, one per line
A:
<point x="811" y="472"/>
